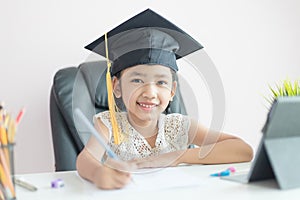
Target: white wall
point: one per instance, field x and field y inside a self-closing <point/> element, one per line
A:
<point x="252" y="43"/>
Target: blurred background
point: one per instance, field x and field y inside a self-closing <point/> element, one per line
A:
<point x="252" y="44"/>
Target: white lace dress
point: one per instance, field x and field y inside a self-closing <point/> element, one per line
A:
<point x="172" y="136"/>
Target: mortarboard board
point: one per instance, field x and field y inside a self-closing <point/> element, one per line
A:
<point x="146" y="38"/>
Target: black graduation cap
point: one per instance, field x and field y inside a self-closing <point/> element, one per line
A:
<point x="146" y="38"/>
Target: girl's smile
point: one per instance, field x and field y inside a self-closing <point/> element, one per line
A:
<point x="146" y="106"/>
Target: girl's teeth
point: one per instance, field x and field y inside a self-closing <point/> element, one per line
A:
<point x="147" y="106"/>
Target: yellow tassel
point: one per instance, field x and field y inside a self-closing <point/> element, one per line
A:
<point x="111" y="100"/>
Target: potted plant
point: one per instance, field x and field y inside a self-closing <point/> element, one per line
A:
<point x="286" y="89"/>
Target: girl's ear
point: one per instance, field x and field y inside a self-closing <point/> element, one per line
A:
<point x="116" y="87"/>
<point x="173" y="91"/>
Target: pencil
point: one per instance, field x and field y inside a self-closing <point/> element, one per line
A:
<point x="25" y="185"/>
<point x="3" y="140"/>
<point x="7" y="132"/>
<point x="2" y="197"/>
<point x="6" y="180"/>
<point x="20" y="115"/>
<point x="11" y="131"/>
<point x="95" y="133"/>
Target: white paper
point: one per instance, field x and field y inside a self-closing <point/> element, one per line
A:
<point x="148" y="180"/>
<point x="161" y="179"/>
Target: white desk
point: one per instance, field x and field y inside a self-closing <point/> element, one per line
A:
<point x="211" y="188"/>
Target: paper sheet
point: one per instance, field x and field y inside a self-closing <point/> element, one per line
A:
<point x="148" y="180"/>
<point x="161" y="179"/>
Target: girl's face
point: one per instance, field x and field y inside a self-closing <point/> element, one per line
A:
<point x="145" y="90"/>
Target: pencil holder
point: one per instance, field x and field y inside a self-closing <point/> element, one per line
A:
<point x="7" y="172"/>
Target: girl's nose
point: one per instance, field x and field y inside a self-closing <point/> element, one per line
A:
<point x="150" y="91"/>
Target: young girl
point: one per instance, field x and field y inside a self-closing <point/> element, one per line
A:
<point x="144" y="78"/>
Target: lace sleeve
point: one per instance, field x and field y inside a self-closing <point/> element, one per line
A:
<point x="176" y="130"/>
<point x="105" y="118"/>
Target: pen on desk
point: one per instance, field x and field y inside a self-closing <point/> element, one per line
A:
<point x="25" y="185"/>
<point x="222" y="173"/>
<point x="226" y="172"/>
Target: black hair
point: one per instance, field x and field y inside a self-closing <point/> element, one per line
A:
<point x="173" y="73"/>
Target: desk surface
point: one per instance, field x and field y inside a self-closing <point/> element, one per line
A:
<point x="210" y="188"/>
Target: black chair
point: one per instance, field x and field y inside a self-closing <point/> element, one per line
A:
<point x="84" y="87"/>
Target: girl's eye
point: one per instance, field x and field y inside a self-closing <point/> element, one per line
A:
<point x="136" y="81"/>
<point x="162" y="83"/>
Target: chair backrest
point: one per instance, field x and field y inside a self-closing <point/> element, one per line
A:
<point x="84" y="87"/>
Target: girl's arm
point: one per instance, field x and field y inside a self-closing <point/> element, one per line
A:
<point x="213" y="148"/>
<point x="231" y="150"/>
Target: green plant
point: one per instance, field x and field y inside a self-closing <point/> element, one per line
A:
<point x="286" y="88"/>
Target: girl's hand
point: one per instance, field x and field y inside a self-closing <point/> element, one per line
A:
<point x="113" y="174"/>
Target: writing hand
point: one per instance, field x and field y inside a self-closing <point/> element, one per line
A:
<point x="113" y="174"/>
